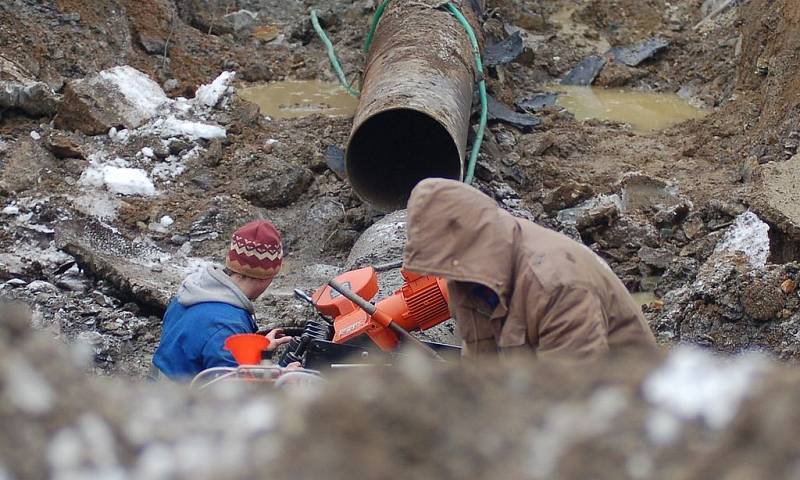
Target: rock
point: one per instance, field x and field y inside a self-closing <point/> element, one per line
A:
<point x="692" y="227"/>
<point x="585" y="72"/>
<point x="241" y="20"/>
<point x="40" y="286"/>
<point x="660" y="258"/>
<point x="153" y="44"/>
<point x="334" y="159"/>
<point x="32" y="98"/>
<point x="593" y="212"/>
<point x="117" y="97"/>
<point x="503" y="52"/>
<point x="23" y="166"/>
<point x="538" y="102"/>
<point x="762" y="301"/>
<point x="280" y="184"/>
<point x="566" y="195"/>
<point x="63" y="145"/>
<point x="788" y="286"/>
<point x="778" y="199"/>
<point x="635" y="54"/>
<point x="497" y="111"/>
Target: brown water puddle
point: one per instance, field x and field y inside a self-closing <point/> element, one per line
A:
<point x="644" y="111"/>
<point x="300" y="98"/>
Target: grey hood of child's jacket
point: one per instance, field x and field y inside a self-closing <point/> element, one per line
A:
<point x="212" y="284"/>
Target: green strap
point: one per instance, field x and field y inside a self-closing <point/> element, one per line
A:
<point x="332" y="55"/>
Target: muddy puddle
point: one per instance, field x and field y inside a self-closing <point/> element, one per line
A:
<point x="300" y="98"/>
<point x="644" y="111"/>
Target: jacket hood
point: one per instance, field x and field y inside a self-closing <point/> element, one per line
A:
<point x="457" y="232"/>
<point x="212" y="284"/>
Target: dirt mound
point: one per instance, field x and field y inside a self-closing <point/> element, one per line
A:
<point x="629" y="417"/>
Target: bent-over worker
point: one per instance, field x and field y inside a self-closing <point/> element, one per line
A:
<point x="514" y="284"/>
<point x="215" y="303"/>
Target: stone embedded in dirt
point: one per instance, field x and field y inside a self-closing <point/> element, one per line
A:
<point x="788" y="286"/>
<point x="538" y="102"/>
<point x="32" y="98"/>
<point x="23" y="166"/>
<point x="566" y="196"/>
<point x="593" y="212"/>
<point x="778" y="199"/>
<point x="505" y="51"/>
<point x="153" y="43"/>
<point x="63" y="145"/>
<point x="659" y="258"/>
<point x="763" y="301"/>
<point x="635" y="54"/>
<point x="585" y="72"/>
<point x="117" y="97"/>
<point x="497" y="111"/>
<point x="279" y="184"/>
<point x="334" y="159"/>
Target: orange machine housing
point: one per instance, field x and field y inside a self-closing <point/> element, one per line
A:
<point x="419" y="304"/>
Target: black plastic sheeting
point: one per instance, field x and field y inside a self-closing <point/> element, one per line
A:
<point x="538" y="102"/>
<point x="498" y="112"/>
<point x="637" y="53"/>
<point x="585" y="72"/>
<point x="505" y="51"/>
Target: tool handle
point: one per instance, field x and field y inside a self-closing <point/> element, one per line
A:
<point x="370" y="309"/>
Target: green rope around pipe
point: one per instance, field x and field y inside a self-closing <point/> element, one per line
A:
<point x="332" y="55"/>
<point x="473" y="40"/>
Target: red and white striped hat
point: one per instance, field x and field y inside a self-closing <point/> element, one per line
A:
<point x="256" y="250"/>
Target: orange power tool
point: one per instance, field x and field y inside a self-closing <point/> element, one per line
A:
<point x="419" y="304"/>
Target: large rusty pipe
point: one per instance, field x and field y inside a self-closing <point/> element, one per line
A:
<point x="413" y="117"/>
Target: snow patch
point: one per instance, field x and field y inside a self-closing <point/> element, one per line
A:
<point x="210" y="95"/>
<point x="122" y="180"/>
<point x="148" y="152"/>
<point x="694" y="384"/>
<point x="35" y="135"/>
<point x="166" y="221"/>
<point x="11" y="210"/>
<point x="173" y="127"/>
<point x="138" y="89"/>
<point x="750" y="236"/>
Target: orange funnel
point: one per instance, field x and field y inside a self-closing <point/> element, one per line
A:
<point x="246" y="347"/>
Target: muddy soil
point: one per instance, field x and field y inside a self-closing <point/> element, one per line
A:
<point x="654" y="204"/>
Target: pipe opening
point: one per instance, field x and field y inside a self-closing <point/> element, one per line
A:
<point x="393" y="151"/>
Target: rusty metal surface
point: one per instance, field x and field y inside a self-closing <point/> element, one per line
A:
<point x="420" y="60"/>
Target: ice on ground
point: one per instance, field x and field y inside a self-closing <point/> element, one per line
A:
<point x="694" y="384"/>
<point x="210" y="95"/>
<point x="138" y="89"/>
<point x="173" y="127"/>
<point x="749" y="235"/>
<point x="122" y="180"/>
<point x="100" y="205"/>
<point x="11" y="210"/>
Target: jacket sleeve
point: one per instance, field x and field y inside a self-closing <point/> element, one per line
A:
<point x="573" y="325"/>
<point x="214" y="353"/>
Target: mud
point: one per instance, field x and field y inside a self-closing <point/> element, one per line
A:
<point x="300" y="98"/>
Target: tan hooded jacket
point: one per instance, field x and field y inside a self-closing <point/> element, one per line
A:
<point x="555" y="295"/>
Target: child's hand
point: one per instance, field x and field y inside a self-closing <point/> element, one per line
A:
<point x="276" y="338"/>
